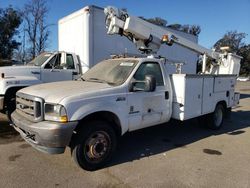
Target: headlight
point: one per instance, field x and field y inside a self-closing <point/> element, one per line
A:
<point x="55" y="112"/>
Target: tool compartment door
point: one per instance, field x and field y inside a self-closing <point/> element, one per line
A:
<point x="207" y="95"/>
<point x="187" y="99"/>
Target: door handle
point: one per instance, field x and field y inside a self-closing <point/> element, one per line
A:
<point x="166" y="95"/>
<point x="74" y="73"/>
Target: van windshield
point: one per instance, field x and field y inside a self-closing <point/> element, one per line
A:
<point x="39" y="60"/>
<point x="113" y="72"/>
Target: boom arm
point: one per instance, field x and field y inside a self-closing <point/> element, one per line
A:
<point x="146" y="36"/>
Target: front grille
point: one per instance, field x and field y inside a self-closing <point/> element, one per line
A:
<point x="30" y="107"/>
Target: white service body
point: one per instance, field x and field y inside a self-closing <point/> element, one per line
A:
<point x="196" y="95"/>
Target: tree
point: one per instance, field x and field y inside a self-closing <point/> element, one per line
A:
<point x="232" y="39"/>
<point x="34" y="14"/>
<point x="194" y="30"/>
<point x="10" y="20"/>
<point x="244" y="52"/>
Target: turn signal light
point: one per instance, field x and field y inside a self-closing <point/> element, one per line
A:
<point x="63" y="119"/>
<point x="165" y="39"/>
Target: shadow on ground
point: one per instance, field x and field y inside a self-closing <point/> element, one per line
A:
<point x="158" y="139"/>
<point x="165" y="137"/>
<point x="243" y="96"/>
<point x="8" y="133"/>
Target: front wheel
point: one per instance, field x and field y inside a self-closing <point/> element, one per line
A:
<point x="11" y="106"/>
<point x="94" y="145"/>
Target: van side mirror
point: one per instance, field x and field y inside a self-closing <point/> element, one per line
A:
<point x="148" y="85"/>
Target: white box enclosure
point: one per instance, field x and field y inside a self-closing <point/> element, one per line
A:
<point x="196" y="95"/>
<point x="84" y="33"/>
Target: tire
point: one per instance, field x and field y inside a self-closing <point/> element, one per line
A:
<point x="94" y="145"/>
<point x="215" y="120"/>
<point x="11" y="106"/>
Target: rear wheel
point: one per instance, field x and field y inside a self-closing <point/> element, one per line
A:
<point x="94" y="145"/>
<point x="216" y="119"/>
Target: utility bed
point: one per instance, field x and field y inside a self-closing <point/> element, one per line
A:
<point x="196" y="95"/>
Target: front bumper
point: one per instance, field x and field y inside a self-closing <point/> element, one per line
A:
<point x="1" y="103"/>
<point x="45" y="136"/>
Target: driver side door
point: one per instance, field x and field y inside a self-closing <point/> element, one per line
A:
<point x="60" y="68"/>
<point x="148" y="108"/>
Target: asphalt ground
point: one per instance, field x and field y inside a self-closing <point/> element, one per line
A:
<point x="168" y="155"/>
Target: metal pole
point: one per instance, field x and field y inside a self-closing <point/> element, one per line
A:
<point x="204" y="63"/>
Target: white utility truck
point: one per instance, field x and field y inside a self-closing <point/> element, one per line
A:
<point x="82" y="33"/>
<point x="47" y="67"/>
<point x="120" y="95"/>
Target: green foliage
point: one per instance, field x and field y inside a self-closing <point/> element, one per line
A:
<point x="244" y="51"/>
<point x="10" y="20"/>
<point x="233" y="39"/>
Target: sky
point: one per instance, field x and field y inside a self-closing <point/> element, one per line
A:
<point x="215" y="17"/>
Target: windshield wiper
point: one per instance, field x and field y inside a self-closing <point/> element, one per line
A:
<point x="99" y="80"/>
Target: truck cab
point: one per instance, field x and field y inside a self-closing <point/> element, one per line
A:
<point x="47" y="67"/>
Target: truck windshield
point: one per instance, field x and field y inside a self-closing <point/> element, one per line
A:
<point x="39" y="60"/>
<point x="113" y="72"/>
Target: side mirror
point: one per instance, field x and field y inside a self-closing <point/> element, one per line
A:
<point x="150" y="83"/>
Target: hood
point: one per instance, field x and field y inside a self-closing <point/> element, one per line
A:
<point x="57" y="91"/>
<point x="12" y="71"/>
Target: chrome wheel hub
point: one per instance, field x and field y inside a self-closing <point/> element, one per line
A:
<point x="97" y="145"/>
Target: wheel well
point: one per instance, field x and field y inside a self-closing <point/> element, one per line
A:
<point x="9" y="93"/>
<point x="223" y="103"/>
<point x="103" y="116"/>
